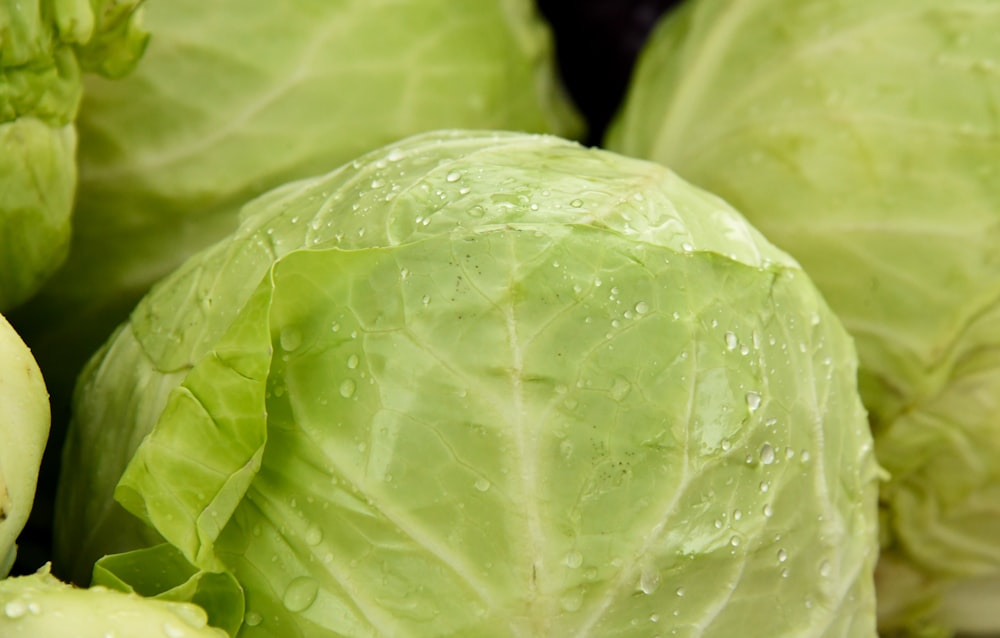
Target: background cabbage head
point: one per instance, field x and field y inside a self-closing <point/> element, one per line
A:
<point x="235" y="97"/>
<point x="24" y="428"/>
<point x="863" y="138"/>
<point x="45" y="45"/>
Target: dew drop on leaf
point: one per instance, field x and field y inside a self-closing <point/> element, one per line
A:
<point x="290" y="339"/>
<point x="766" y="454"/>
<point x="15" y="609"/>
<point x="649" y="581"/>
<point x="314" y="534"/>
<point x="571" y="600"/>
<point x="300" y="594"/>
<point x="347" y="388"/>
<point x="731" y="341"/>
<point x="573" y="559"/>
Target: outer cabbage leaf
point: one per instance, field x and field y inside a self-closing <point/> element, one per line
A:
<point x="41" y="605"/>
<point x="24" y="428"/>
<point x="235" y="97"/>
<point x="492" y="385"/>
<point x="44" y="44"/>
<point x="863" y="138"/>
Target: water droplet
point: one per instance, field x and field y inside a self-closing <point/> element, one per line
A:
<point x="764" y="486"/>
<point x="731" y="341"/>
<point x="290" y="339"/>
<point x="804" y="455"/>
<point x="482" y="484"/>
<point x="766" y="454"/>
<point x="477" y="211"/>
<point x="15" y="609"/>
<point x="654" y="618"/>
<point x="641" y="308"/>
<point x="347" y="388"/>
<point x="649" y="581"/>
<point x="335" y="327"/>
<point x="571" y="600"/>
<point x="686" y="247"/>
<point x="737" y="515"/>
<point x="426" y="299"/>
<point x="734" y="541"/>
<point x="825" y="569"/>
<point x="314" y="534"/>
<point x="252" y="619"/>
<point x="782" y="555"/>
<point x="453" y="176"/>
<point x="576" y="203"/>
<point x="573" y="559"/>
<point x="300" y="594"/>
<point x="378" y="183"/>
<point x="352" y="361"/>
<point x="753" y="401"/>
<point x="680" y="591"/>
<point x="768" y="512"/>
<point x="395" y="155"/>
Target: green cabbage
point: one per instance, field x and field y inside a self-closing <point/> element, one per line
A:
<point x="40" y="606"/>
<point x="44" y="47"/>
<point x="485" y="384"/>
<point x="863" y="137"/>
<point x="24" y="428"/>
<point x="235" y="97"/>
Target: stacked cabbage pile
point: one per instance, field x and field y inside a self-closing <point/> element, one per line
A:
<point x="345" y="336"/>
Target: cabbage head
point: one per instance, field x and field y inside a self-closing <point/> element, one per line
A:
<point x="45" y="45"/>
<point x="235" y="97"/>
<point x="24" y="429"/>
<point x="486" y="384"/>
<point x="863" y="138"/>
<point x="41" y="606"/>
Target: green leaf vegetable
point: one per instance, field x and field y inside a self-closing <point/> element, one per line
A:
<point x="39" y="605"/>
<point x="45" y="45"/>
<point x="235" y="97"/>
<point x="24" y="429"/>
<point x="484" y="384"/>
<point x="863" y="137"/>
